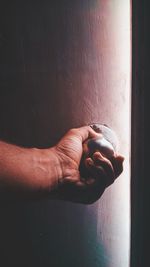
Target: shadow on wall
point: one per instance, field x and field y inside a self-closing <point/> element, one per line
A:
<point x="33" y="234"/>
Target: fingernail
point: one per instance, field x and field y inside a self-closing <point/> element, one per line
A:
<point x="89" y="161"/>
<point x="121" y="158"/>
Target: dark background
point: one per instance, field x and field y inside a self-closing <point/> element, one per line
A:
<point x="140" y="192"/>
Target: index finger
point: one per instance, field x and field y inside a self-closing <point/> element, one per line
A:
<point x="117" y="162"/>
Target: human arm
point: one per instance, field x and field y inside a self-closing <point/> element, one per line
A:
<point x="55" y="171"/>
<point x="25" y="170"/>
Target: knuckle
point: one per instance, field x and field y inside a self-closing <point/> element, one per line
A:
<point x="73" y="131"/>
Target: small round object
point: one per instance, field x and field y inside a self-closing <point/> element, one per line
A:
<point x="106" y="143"/>
<point x="102" y="145"/>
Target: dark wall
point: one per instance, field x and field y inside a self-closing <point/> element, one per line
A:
<point x="63" y="65"/>
<point x="44" y="50"/>
<point x="140" y="193"/>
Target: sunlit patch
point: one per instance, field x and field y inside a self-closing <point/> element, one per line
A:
<point x="113" y="218"/>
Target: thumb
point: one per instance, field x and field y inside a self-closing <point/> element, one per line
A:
<point x="86" y="132"/>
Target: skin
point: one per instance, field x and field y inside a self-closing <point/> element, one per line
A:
<point x="59" y="172"/>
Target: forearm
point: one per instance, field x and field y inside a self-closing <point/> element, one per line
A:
<point x="25" y="170"/>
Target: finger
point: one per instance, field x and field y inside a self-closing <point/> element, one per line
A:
<point x="89" y="163"/>
<point x="97" y="169"/>
<point x="100" y="160"/>
<point x="86" y="132"/>
<point x="117" y="163"/>
<point x="100" y="177"/>
<point x="97" y="174"/>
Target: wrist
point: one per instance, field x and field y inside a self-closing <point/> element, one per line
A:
<point x="47" y="168"/>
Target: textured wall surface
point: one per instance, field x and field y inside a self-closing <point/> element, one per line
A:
<point x="65" y="64"/>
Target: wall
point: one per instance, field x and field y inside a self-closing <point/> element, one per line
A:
<point x="65" y="65"/>
<point x="140" y="193"/>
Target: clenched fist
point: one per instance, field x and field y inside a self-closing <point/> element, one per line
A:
<point x="84" y="179"/>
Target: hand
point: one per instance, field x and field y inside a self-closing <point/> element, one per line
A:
<point x="60" y="171"/>
<point x="98" y="174"/>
